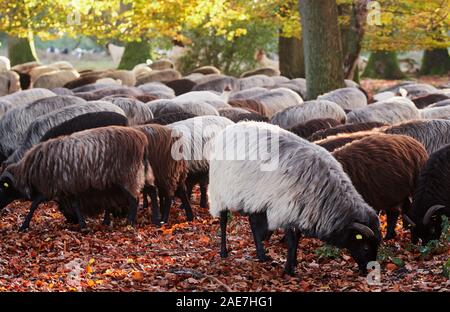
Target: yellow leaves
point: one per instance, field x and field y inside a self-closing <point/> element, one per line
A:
<point x="137" y="276"/>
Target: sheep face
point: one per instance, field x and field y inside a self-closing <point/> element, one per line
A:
<point x="431" y="226"/>
<point x="8" y="192"/>
<point x="362" y="245"/>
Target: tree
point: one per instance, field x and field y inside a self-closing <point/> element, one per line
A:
<point x="322" y="46"/>
<point x="383" y="65"/>
<point x="435" y="62"/>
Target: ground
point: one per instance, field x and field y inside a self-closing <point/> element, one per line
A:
<point x="55" y="256"/>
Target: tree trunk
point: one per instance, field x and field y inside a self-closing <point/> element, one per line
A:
<point x="435" y="62"/>
<point x="383" y="65"/>
<point x="135" y="53"/>
<point x="322" y="46"/>
<point x="291" y="57"/>
<point x="21" y="50"/>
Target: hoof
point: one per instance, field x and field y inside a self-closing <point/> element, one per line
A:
<point x="224" y="254"/>
<point x="190" y="217"/>
<point x="265" y="258"/>
<point x="23" y="229"/>
<point x="84" y="230"/>
<point x="289" y="271"/>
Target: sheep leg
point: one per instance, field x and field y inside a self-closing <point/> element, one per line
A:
<point x="166" y="208"/>
<point x="223" y="233"/>
<point x="258" y="223"/>
<point x="181" y="193"/>
<point x="133" y="203"/>
<point x="36" y="201"/>
<point x="204" y="192"/>
<point x="292" y="237"/>
<point x="107" y="218"/>
<point x="145" y="193"/>
<point x="81" y="221"/>
<point x="156" y="216"/>
<point x="391" y="217"/>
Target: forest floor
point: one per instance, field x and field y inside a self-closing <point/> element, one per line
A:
<point x="54" y="256"/>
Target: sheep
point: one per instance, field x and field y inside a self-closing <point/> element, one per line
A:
<point x="206" y="70"/>
<point x="349" y="128"/>
<point x="305" y="130"/>
<point x="261" y="71"/>
<point x="198" y="108"/>
<point x="334" y="142"/>
<point x="158" y="89"/>
<point x="247" y="116"/>
<point x="440" y="103"/>
<point x="203" y="96"/>
<point x="163" y="106"/>
<point x="348" y="98"/>
<point x="9" y="82"/>
<point x="247" y="93"/>
<point x="418" y="89"/>
<point x="27" y="96"/>
<point x="166" y="119"/>
<point x="136" y="111"/>
<point x="43" y="123"/>
<point x="297" y="186"/>
<point x="440" y="112"/>
<point x="62" y="91"/>
<point x="158" y="75"/>
<point x="64" y="169"/>
<point x="181" y="86"/>
<point x="431" y="199"/>
<point x="426" y="100"/>
<point x="255" y="81"/>
<point x="306" y="111"/>
<point x="162" y="64"/>
<point x="4" y="107"/>
<point x="15" y="122"/>
<point x="199" y="78"/>
<point x="55" y="79"/>
<point x="111" y="90"/>
<point x="278" y="99"/>
<point x="89" y="87"/>
<point x="391" y="111"/>
<point x="250" y="104"/>
<point x="279" y="79"/>
<point x="297" y="85"/>
<point x="37" y="71"/>
<point x="384" y="169"/>
<point x="5" y="64"/>
<point x="169" y="173"/>
<point x="218" y="84"/>
<point x="84" y="122"/>
<point x="433" y="134"/>
<point x="126" y="77"/>
<point x="195" y="139"/>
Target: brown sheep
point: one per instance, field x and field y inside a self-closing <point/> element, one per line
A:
<point x="336" y="141"/>
<point x="384" y="169"/>
<point x="304" y="130"/>
<point x="254" y="105"/>
<point x="350" y="128"/>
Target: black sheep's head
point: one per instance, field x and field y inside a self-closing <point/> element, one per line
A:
<point x="8" y="192"/>
<point x="362" y="243"/>
<point x="430" y="228"/>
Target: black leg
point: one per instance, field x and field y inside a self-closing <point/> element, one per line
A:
<point x="36" y="201"/>
<point x="107" y="218"/>
<point x="133" y="203"/>
<point x="223" y="233"/>
<point x="391" y="216"/>
<point x="189" y="187"/>
<point x="181" y="193"/>
<point x="80" y="218"/>
<point x="166" y="208"/>
<point x="292" y="237"/>
<point x="145" y="194"/>
<point x="204" y="193"/>
<point x="156" y="216"/>
<point x="258" y="223"/>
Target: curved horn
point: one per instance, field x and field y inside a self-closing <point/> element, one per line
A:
<point x="430" y="213"/>
<point x="364" y="229"/>
<point x="409" y="220"/>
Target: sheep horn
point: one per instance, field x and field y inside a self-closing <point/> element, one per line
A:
<point x="364" y="229"/>
<point x="7" y="174"/>
<point x="430" y="213"/>
<point x="409" y="220"/>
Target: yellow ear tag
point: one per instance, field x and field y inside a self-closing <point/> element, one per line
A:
<point x="6" y="185"/>
<point x="358" y="236"/>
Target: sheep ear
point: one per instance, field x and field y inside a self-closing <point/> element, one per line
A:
<point x="431" y="212"/>
<point x="362" y="229"/>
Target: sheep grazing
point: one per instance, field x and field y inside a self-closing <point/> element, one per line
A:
<point x="250" y="104"/>
<point x="181" y="86"/>
<point x="166" y="119"/>
<point x="84" y="80"/>
<point x="348" y="98"/>
<point x="157" y="89"/>
<point x="297" y="85"/>
<point x="336" y="141"/>
<point x="278" y="99"/>
<point x="15" y="122"/>
<point x="247" y="93"/>
<point x="27" y="96"/>
<point x="316" y="198"/>
<point x="5" y="106"/>
<point x="158" y="75"/>
<point x="440" y="103"/>
<point x="261" y="71"/>
<point x="391" y="111"/>
<point x="136" y="111"/>
<point x="418" y="89"/>
<point x="195" y="139"/>
<point x="169" y="173"/>
<point x="84" y="122"/>
<point x="426" y="100"/>
<point x="440" y="112"/>
<point x="55" y="79"/>
<point x="218" y="84"/>
<point x="65" y="168"/>
<point x="305" y="130"/>
<point x="302" y="113"/>
<point x="433" y="134"/>
<point x="162" y="64"/>
<point x="9" y="82"/>
<point x="111" y="90"/>
<point x="384" y="169"/>
<point x="206" y="70"/>
<point x="62" y="91"/>
<point x="350" y="128"/>
<point x="431" y="199"/>
<point x="5" y="64"/>
<point x="239" y="114"/>
<point x="202" y="96"/>
<point x="255" y="81"/>
<point x="198" y="108"/>
<point x="43" y="123"/>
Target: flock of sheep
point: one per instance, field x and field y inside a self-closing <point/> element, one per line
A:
<point x="94" y="141"/>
